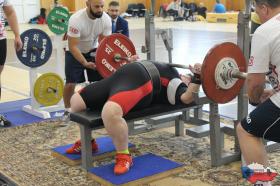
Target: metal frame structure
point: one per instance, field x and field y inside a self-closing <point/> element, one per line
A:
<point x="215" y="129"/>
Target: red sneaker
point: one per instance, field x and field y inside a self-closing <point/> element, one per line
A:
<point x="123" y="163"/>
<point x="76" y="148"/>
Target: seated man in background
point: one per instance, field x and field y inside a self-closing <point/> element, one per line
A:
<point x="219" y="7"/>
<point x="175" y="9"/>
<point x="201" y="10"/>
<point x="133" y="90"/>
<point x="119" y="24"/>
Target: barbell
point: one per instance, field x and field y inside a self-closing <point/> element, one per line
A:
<point x="222" y="72"/>
<point x="118" y="58"/>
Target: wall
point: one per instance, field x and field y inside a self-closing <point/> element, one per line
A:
<point x="47" y="4"/>
<point x="26" y="9"/>
<point x="73" y="5"/>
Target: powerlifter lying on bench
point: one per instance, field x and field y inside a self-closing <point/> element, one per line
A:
<point x="132" y="87"/>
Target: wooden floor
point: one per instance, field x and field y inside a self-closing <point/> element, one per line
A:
<point x="192" y="40"/>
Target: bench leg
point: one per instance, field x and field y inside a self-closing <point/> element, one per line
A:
<point x="86" y="147"/>
<point x="179" y="127"/>
<point x="186" y="115"/>
<point x="197" y="112"/>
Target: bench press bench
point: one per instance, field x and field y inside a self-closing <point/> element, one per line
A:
<point x="91" y="120"/>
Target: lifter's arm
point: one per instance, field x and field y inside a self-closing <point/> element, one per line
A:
<point x="193" y="87"/>
<point x="187" y="97"/>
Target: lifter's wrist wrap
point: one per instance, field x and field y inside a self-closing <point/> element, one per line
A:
<point x="196" y="79"/>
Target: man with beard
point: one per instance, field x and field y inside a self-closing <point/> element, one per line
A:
<point x="86" y="27"/>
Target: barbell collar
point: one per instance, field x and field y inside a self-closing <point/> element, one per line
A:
<point x="238" y="74"/>
<point x="118" y="58"/>
<point x="51" y="90"/>
<point x="34" y="48"/>
<point x="61" y="20"/>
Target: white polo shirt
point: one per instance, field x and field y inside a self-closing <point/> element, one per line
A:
<point x="2" y="18"/>
<point x="87" y="30"/>
<point x="265" y="54"/>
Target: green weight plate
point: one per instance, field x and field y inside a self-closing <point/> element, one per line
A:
<point x="48" y="89"/>
<point x="58" y="20"/>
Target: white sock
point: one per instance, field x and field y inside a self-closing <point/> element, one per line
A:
<point x="262" y="183"/>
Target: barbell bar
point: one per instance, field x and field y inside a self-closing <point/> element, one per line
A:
<point x="223" y="69"/>
<point x="118" y="58"/>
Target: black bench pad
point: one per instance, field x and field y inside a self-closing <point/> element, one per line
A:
<point x="93" y="119"/>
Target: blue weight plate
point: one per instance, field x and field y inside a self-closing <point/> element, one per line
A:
<point x="37" y="48"/>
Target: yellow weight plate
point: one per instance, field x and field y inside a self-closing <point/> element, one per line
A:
<point x="48" y="89"/>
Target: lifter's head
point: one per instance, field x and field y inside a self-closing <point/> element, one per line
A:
<point x="266" y="9"/>
<point x="95" y="8"/>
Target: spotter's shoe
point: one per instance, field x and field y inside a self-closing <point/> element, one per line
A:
<point x="4" y="122"/>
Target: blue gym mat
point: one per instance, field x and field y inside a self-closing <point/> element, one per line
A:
<point x="13" y="112"/>
<point x="105" y="145"/>
<point x="13" y="105"/>
<point x="143" y="166"/>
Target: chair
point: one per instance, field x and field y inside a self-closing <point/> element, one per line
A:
<point x="132" y="9"/>
<point x="141" y="9"/>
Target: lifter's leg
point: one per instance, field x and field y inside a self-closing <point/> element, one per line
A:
<point x="77" y="105"/>
<point x="116" y="126"/>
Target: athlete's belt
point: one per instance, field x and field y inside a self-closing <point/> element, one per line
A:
<point x="154" y="75"/>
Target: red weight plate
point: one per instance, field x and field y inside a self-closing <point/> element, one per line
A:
<point x="209" y="65"/>
<point x="108" y="48"/>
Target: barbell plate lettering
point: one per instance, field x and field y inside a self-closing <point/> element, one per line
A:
<point x="110" y="46"/>
<point x="58" y="20"/>
<point x="37" y="48"/>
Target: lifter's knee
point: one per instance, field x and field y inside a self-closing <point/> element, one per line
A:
<point x="111" y="112"/>
<point x="77" y="103"/>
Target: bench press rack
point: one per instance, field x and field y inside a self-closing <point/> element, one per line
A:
<point x="91" y="120"/>
<point x="155" y="114"/>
